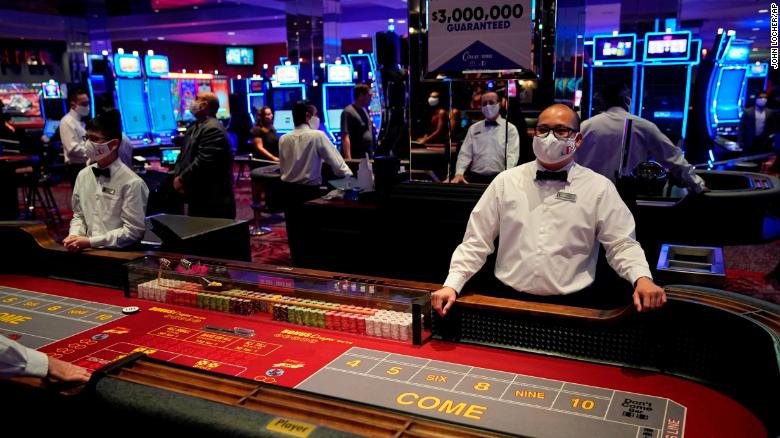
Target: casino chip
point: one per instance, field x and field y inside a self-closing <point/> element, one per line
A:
<point x="130" y="310"/>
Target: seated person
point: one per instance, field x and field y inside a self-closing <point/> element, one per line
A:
<point x="756" y="125"/>
<point x="489" y="145"/>
<point x="437" y="130"/>
<point x="549" y="216"/>
<point x="303" y="150"/>
<point x="109" y="199"/>
<point x="264" y="137"/>
<point x="18" y="360"/>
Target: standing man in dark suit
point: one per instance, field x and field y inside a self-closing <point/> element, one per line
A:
<point x="204" y="171"/>
<point x="756" y="125"/>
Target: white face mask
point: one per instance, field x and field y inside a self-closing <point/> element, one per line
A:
<point x="314" y="122"/>
<point x="194" y="107"/>
<point x="491" y="111"/>
<point x="83" y="111"/>
<point x="433" y="101"/>
<point x="550" y="150"/>
<point x="761" y="102"/>
<point x="96" y="151"/>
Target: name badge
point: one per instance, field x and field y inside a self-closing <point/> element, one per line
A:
<point x="571" y="197"/>
<point x="109" y="190"/>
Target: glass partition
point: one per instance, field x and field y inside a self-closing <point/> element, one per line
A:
<point x="369" y="307"/>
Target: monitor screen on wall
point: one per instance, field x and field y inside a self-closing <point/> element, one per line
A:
<point x="240" y="56"/>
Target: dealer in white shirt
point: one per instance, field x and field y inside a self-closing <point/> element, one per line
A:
<point x="109" y="200"/>
<point x="491" y="146"/>
<point x="550" y="215"/>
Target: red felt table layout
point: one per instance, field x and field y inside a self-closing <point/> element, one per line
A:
<point x="288" y="355"/>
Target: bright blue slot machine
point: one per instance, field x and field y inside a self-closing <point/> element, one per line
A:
<point x="336" y="95"/>
<point x="665" y="90"/>
<point x="612" y="60"/>
<point x="255" y="96"/>
<point x="131" y="98"/>
<point x="160" y="98"/>
<point x="287" y="89"/>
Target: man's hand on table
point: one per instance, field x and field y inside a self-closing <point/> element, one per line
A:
<point x="648" y="295"/>
<point x="443" y="299"/>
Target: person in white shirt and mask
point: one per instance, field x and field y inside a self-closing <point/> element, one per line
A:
<point x="491" y="146"/>
<point x="109" y="199"/>
<point x="550" y="215"/>
<point x="602" y="142"/>
<point x="72" y="133"/>
<point x="303" y="151"/>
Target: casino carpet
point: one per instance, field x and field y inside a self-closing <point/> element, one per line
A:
<point x="750" y="269"/>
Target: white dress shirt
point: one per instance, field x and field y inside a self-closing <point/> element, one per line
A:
<point x="760" y="121"/>
<point x="301" y="153"/>
<point x="548" y="232"/>
<point x="110" y="211"/>
<point x="72" y="136"/>
<point x="602" y="144"/>
<point x="18" y="360"/>
<point x="485" y="149"/>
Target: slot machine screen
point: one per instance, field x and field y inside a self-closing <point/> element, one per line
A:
<point x="283" y="100"/>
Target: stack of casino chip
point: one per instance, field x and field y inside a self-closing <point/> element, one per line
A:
<point x="190" y="294"/>
<point x="387" y="324"/>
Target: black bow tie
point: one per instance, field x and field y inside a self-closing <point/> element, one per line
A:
<point x="544" y="175"/>
<point x="491" y="122"/>
<point x="101" y="172"/>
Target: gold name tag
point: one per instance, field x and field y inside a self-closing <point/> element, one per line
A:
<point x="571" y="197"/>
<point x="109" y="190"/>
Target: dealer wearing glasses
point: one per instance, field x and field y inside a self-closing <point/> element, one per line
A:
<point x="549" y="216"/>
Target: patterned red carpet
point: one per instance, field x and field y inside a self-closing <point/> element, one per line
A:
<point x="750" y="269"/>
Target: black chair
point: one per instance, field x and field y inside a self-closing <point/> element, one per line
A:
<point x="266" y="197"/>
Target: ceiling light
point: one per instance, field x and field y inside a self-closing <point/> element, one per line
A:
<point x="231" y="33"/>
<point x="161" y="38"/>
<point x="755" y="29"/>
<point x="763" y="11"/>
<point x="400" y="21"/>
<point x="363" y="35"/>
<point x="759" y="21"/>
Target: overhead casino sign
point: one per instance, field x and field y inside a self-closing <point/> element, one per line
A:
<point x="478" y="36"/>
